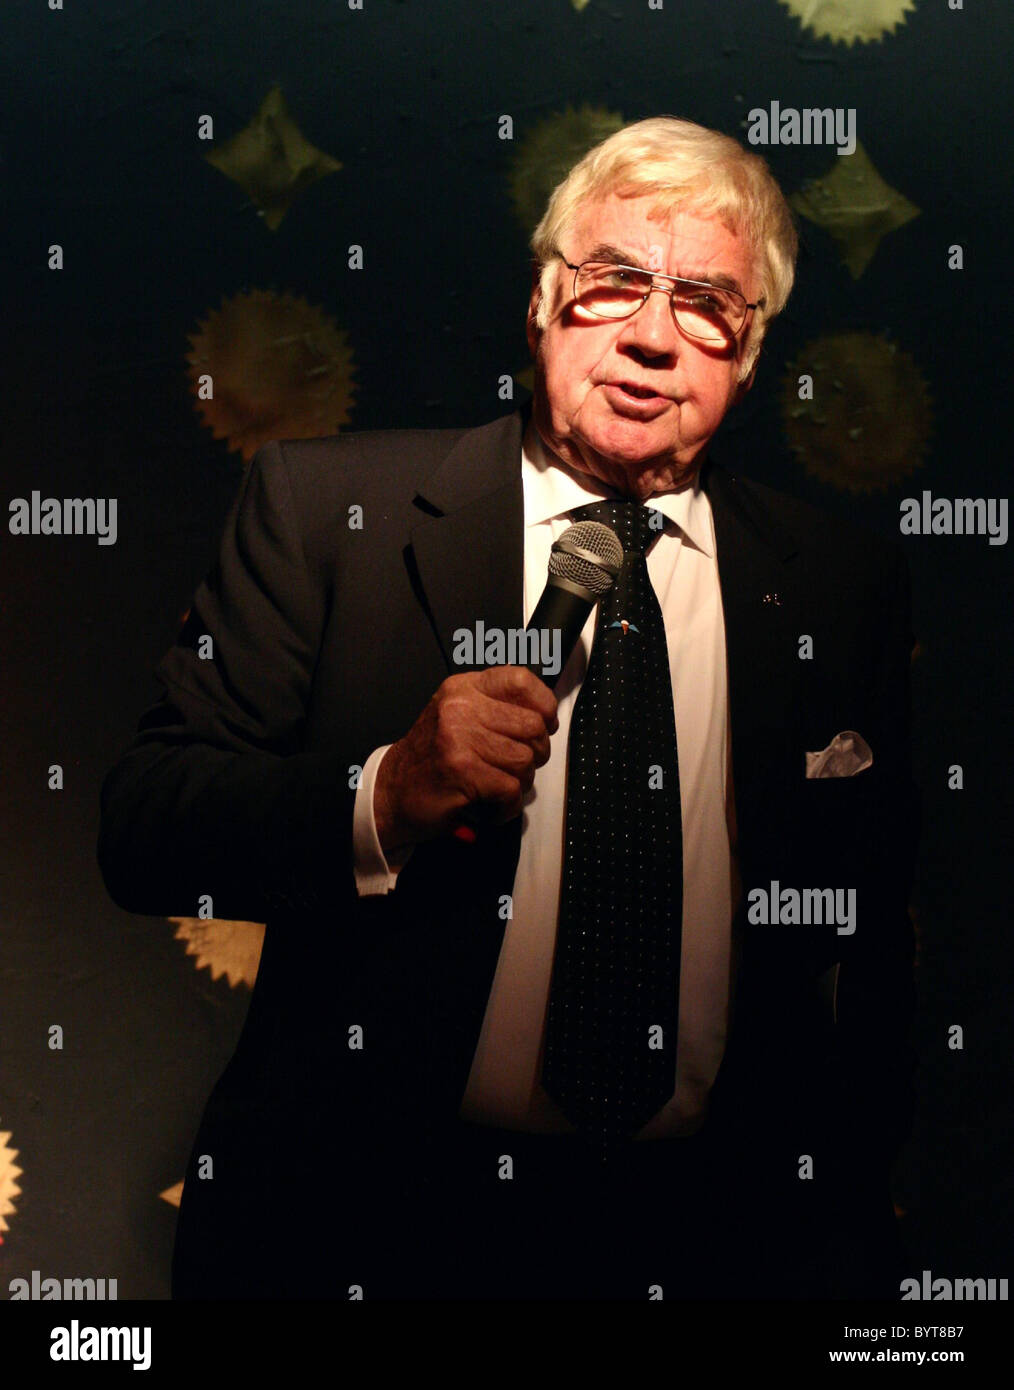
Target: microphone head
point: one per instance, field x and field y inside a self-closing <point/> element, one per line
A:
<point x="588" y="554"/>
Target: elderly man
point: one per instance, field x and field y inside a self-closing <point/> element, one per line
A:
<point x="598" y="991"/>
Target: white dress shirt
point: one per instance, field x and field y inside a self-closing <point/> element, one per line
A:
<point x="503" y="1086"/>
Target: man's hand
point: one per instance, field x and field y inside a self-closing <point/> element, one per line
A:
<point x="479" y="739"/>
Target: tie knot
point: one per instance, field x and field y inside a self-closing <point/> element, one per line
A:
<point x="634" y="523"/>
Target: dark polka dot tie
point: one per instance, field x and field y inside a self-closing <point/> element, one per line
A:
<point x="610" y="1052"/>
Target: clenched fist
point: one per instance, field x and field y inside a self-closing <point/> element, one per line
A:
<point x="479" y="740"/>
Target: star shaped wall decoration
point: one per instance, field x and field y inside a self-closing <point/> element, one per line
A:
<point x="855" y="205"/>
<point x="272" y="160"/>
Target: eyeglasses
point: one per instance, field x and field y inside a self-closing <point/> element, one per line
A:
<point x="700" y="310"/>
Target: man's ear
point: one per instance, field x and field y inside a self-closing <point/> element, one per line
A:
<point x="746" y="383"/>
<point x="532" y="330"/>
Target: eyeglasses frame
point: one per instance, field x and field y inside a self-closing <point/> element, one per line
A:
<point x="657" y="275"/>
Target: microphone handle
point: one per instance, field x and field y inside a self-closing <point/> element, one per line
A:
<point x="564" y="605"/>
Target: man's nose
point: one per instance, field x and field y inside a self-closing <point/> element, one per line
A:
<point x="653" y="328"/>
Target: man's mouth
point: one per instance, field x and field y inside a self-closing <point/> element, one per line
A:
<point x="640" y="393"/>
<point x="634" y="401"/>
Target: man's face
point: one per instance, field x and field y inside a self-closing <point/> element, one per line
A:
<point x="581" y="363"/>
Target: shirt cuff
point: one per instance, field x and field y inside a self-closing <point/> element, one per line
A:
<point x="374" y="873"/>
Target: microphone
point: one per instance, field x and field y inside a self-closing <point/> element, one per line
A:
<point x="583" y="565"/>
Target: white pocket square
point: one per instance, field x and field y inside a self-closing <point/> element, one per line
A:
<point x="846" y="754"/>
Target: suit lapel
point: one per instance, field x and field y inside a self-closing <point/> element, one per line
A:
<point x="468" y="550"/>
<point x="760" y="603"/>
<point x="769" y="692"/>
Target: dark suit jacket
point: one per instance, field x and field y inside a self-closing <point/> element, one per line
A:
<point x="328" y="641"/>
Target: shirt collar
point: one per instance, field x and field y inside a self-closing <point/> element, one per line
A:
<point x="552" y="489"/>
